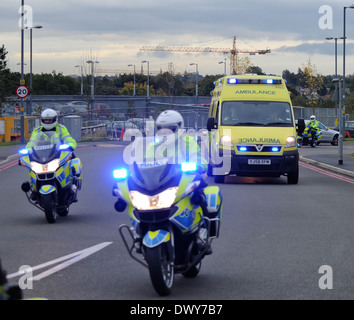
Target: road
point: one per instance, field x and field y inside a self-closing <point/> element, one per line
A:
<point x="274" y="239"/>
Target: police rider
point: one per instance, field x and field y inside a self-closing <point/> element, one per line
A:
<point x="49" y="122"/>
<point x="170" y="123"/>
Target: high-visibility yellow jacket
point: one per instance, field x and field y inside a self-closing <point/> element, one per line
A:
<point x="61" y="131"/>
<point x="184" y="149"/>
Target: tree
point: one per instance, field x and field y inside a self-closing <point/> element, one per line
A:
<point x="313" y="81"/>
<point x="4" y="71"/>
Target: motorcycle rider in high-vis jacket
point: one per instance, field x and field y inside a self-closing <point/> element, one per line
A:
<point x="49" y="122"/>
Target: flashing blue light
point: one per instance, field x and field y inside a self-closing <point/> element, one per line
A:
<point x="120" y="173"/>
<point x="270" y="81"/>
<point x="242" y="149"/>
<point x="275" y="149"/>
<point x="64" y="146"/>
<point x="24" y="152"/>
<point x="232" y="81"/>
<point x="189" y="166"/>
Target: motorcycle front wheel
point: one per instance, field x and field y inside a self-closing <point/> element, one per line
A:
<point x="49" y="209"/>
<point x="160" y="268"/>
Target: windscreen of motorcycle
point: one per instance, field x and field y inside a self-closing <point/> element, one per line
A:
<point x="44" y="146"/>
<point x="154" y="176"/>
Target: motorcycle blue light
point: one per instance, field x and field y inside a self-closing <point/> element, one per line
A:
<point x="275" y="149"/>
<point x="24" y="152"/>
<point x="242" y="149"/>
<point x="189" y="166"/>
<point x="120" y="173"/>
<point x="64" y="146"/>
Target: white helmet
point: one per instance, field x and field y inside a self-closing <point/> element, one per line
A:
<point x="49" y="119"/>
<point x="313" y="117"/>
<point x="170" y="119"/>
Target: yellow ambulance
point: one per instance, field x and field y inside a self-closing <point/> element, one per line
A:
<point x="252" y="130"/>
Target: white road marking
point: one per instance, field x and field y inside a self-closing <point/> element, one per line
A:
<point x="74" y="257"/>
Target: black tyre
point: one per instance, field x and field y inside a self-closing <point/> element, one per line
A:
<point x="49" y="208"/>
<point x="219" y="179"/>
<point x="210" y="171"/>
<point x="335" y="140"/>
<point x="293" y="176"/>
<point x="160" y="268"/>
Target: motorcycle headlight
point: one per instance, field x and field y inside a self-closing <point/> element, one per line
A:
<point x="51" y="166"/>
<point x="162" y="200"/>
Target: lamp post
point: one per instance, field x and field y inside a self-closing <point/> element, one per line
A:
<point x="22" y="74"/>
<point x="224" y="62"/>
<point x="335" y="69"/>
<point x="133" y="65"/>
<point x="82" y="79"/>
<point x="92" y="84"/>
<point x="148" y="76"/>
<point x="196" y="79"/>
<point x="31" y="73"/>
<point x="344" y="98"/>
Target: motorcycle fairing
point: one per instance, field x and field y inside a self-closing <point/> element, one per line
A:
<point x="213" y="199"/>
<point x="154" y="238"/>
<point x="187" y="217"/>
<point x="47" y="189"/>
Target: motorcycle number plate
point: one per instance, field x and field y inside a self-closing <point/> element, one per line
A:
<point x="259" y="161"/>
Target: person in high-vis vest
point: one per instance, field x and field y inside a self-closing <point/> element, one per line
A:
<point x="49" y="122"/>
<point x="172" y="141"/>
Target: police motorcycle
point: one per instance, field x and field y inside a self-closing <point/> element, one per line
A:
<point x="55" y="177"/>
<point x="307" y="135"/>
<point x="174" y="217"/>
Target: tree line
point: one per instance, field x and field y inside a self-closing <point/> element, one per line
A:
<point x="317" y="89"/>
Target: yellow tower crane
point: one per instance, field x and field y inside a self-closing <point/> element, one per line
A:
<point x="233" y="57"/>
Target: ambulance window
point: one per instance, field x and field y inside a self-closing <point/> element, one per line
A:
<point x="256" y="113"/>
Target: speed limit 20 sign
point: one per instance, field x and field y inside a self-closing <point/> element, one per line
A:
<point x="22" y="92"/>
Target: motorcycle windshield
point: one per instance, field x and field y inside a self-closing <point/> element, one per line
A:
<point x="152" y="177"/>
<point x="44" y="146"/>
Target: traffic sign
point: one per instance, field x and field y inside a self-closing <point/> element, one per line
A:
<point x="22" y="92"/>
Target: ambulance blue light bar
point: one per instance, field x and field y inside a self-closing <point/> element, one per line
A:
<point x="253" y="81"/>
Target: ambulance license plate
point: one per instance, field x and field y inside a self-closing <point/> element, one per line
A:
<point x="266" y="162"/>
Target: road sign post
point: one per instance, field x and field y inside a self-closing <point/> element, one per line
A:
<point x="22" y="92"/>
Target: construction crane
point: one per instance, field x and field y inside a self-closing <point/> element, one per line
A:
<point x="233" y="57"/>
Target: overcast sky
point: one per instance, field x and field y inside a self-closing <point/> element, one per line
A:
<point x="113" y="31"/>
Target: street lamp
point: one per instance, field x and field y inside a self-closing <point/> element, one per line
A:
<point x="31" y="73"/>
<point x="133" y="65"/>
<point x="148" y="76"/>
<point x="224" y="62"/>
<point x="335" y="69"/>
<point x="344" y="37"/>
<point x="196" y="79"/>
<point x="82" y="79"/>
<point x="92" y="84"/>
<point x="22" y="74"/>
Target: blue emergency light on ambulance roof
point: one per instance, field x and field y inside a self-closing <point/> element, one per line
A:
<point x="270" y="81"/>
<point x="232" y="81"/>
